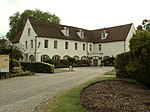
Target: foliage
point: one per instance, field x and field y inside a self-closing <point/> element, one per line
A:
<point x="146" y="24"/>
<point x="17" y="21"/>
<point x="6" y="49"/>
<point x="16" y="54"/>
<point x="66" y="63"/>
<point x="139" y="64"/>
<point x="71" y="60"/>
<point x="17" y="74"/>
<point x="38" y="67"/>
<point x="15" y="63"/>
<point x="121" y="62"/>
<point x="50" y="61"/>
<point x="108" y="61"/>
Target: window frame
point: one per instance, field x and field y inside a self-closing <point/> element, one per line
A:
<point x="66" y="45"/>
<point x="29" y="31"/>
<point x="76" y="46"/>
<point x="83" y="47"/>
<point x="55" y="44"/>
<point x="31" y="43"/>
<point x="45" y="43"/>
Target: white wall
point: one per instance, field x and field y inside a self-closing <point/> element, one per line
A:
<point x="110" y="48"/>
<point x="25" y="37"/>
<point x="61" y="51"/>
<point x="130" y="34"/>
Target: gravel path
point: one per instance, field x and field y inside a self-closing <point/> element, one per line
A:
<point x="28" y="94"/>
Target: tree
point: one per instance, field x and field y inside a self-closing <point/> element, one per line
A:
<point x="139" y="65"/>
<point x="17" y="21"/>
<point x="146" y="24"/>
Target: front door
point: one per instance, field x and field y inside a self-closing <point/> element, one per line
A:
<point x="95" y="62"/>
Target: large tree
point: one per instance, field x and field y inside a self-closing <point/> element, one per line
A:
<point x="16" y="21"/>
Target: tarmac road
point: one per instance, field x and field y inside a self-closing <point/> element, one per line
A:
<point x="29" y="93"/>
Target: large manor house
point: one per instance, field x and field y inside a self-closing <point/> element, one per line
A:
<point x="41" y="40"/>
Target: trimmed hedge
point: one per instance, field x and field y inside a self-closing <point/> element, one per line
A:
<point x="38" y="67"/>
<point x="121" y="63"/>
<point x="66" y="63"/>
<point x="18" y="74"/>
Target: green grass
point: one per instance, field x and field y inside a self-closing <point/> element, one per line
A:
<point x="69" y="101"/>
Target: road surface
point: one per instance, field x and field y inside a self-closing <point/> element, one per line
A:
<point x="30" y="93"/>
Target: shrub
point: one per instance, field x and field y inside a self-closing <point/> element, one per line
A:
<point x="139" y="64"/>
<point x="50" y="61"/>
<point x="121" y="62"/>
<point x="108" y="61"/>
<point x="38" y="67"/>
<point x="15" y="63"/>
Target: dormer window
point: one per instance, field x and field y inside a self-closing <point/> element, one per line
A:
<point x="104" y="34"/>
<point x="65" y="31"/>
<point x="81" y="33"/>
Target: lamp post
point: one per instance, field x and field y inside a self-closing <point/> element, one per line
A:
<point x="35" y="47"/>
<point x="11" y="65"/>
<point x="11" y="48"/>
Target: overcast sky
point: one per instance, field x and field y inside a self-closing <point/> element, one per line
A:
<point x="87" y="14"/>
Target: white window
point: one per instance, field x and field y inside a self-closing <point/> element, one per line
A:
<point x="31" y="43"/>
<point x="100" y="47"/>
<point x="29" y="31"/>
<point x="45" y="43"/>
<point x="104" y="34"/>
<point x="66" y="45"/>
<point x="55" y="44"/>
<point x="90" y="47"/>
<point x="84" y="47"/>
<point x="26" y="44"/>
<point x="76" y="46"/>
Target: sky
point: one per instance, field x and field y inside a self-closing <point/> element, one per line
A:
<point x="87" y="14"/>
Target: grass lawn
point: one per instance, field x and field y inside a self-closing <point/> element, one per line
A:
<point x="69" y="101"/>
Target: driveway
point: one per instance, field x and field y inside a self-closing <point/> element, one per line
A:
<point x="28" y="94"/>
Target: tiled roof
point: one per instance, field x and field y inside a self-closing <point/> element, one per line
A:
<point x="50" y="30"/>
<point x="17" y="38"/>
<point x="116" y="33"/>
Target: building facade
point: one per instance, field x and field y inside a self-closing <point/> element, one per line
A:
<point x="41" y="40"/>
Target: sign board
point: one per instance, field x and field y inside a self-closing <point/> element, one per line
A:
<point x="4" y="63"/>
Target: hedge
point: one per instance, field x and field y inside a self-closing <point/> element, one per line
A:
<point x="121" y="63"/>
<point x="38" y="67"/>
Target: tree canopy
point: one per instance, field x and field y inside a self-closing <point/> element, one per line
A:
<point x="146" y="24"/>
<point x="16" y="21"/>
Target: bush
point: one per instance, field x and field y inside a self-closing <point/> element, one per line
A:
<point x="108" y="61"/>
<point x="38" y="67"/>
<point x="121" y="62"/>
<point x="8" y="75"/>
<point x="15" y="63"/>
<point x="139" y="64"/>
<point x="50" y="61"/>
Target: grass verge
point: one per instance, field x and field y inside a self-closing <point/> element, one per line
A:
<point x="69" y="101"/>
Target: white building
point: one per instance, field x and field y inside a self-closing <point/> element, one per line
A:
<point x="40" y="40"/>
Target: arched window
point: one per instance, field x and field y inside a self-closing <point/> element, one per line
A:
<point x="84" y="58"/>
<point x="31" y="58"/>
<point x="76" y="57"/>
<point x="45" y="57"/>
<point x="56" y="57"/>
<point x="66" y="57"/>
